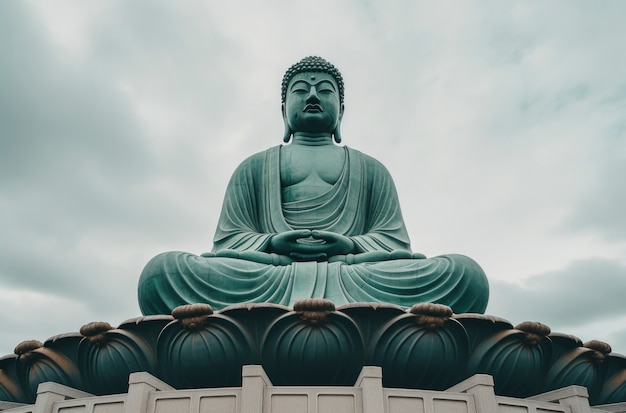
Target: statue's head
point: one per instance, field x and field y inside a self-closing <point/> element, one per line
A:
<point x="312" y="98"/>
<point x="314" y="64"/>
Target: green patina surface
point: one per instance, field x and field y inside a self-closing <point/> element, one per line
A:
<point x="311" y="219"/>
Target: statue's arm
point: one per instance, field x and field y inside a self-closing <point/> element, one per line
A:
<point x="242" y="226"/>
<point x="254" y="256"/>
<point x="384" y="224"/>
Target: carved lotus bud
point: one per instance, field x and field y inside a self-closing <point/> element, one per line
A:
<point x="601" y="349"/>
<point x="582" y="365"/>
<point x="107" y="356"/>
<point x="38" y="363"/>
<point x="534" y="331"/>
<point x="25" y="348"/>
<point x="424" y="348"/>
<point x="314" y="310"/>
<point x="313" y="345"/>
<point x="202" y="349"/>
<point x="192" y="316"/>
<point x="95" y="331"/>
<point x="517" y="359"/>
<point x="431" y="315"/>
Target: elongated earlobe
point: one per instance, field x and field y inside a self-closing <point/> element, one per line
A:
<point x="337" y="134"/>
<point x="287" y="134"/>
<point x="337" y="131"/>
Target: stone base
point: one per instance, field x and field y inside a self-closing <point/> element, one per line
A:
<point x="147" y="394"/>
<point x="315" y="344"/>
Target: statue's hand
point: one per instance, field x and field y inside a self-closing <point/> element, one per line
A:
<point x="334" y="244"/>
<point x="255" y="256"/>
<point x="286" y="242"/>
<point x="375" y="256"/>
<point x="371" y="256"/>
<point x="305" y="244"/>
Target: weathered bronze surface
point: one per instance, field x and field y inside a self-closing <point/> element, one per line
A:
<point x="311" y="219"/>
<point x="317" y="344"/>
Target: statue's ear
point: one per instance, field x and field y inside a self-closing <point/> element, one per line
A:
<point x="287" y="133"/>
<point x="337" y="131"/>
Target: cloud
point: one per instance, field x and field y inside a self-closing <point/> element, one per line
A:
<point x="602" y="209"/>
<point x="584" y="298"/>
<point x="121" y="122"/>
<point x="39" y="316"/>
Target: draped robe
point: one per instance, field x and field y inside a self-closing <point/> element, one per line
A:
<point x="362" y="205"/>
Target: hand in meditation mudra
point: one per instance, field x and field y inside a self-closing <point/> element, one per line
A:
<point x="311" y="219"/>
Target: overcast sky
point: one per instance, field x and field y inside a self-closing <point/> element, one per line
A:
<point x="503" y="124"/>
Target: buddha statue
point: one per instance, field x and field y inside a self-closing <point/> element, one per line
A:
<point x="311" y="219"/>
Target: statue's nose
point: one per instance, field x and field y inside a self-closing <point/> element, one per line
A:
<point x="313" y="98"/>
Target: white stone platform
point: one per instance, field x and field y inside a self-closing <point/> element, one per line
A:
<point x="147" y="394"/>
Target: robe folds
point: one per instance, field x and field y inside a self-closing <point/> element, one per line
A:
<point x="362" y="205"/>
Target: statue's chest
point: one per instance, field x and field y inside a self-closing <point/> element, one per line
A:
<point x="309" y="170"/>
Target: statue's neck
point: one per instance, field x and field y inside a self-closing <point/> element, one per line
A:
<point x="312" y="139"/>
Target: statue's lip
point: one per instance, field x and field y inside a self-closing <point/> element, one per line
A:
<point x="313" y="108"/>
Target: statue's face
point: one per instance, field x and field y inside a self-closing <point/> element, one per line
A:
<point x="312" y="103"/>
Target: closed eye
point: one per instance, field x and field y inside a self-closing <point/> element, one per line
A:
<point x="300" y="87"/>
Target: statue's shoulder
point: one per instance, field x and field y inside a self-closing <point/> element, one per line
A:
<point x="368" y="161"/>
<point x="260" y="159"/>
